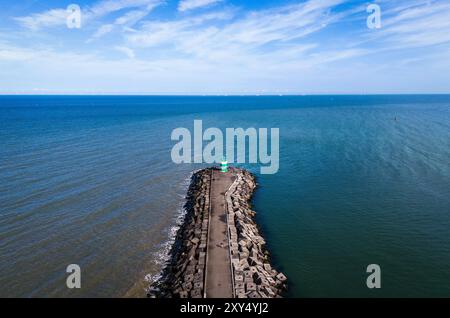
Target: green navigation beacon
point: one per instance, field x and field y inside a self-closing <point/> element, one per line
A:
<point x="224" y="165"/>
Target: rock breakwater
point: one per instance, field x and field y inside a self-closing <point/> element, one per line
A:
<point x="252" y="274"/>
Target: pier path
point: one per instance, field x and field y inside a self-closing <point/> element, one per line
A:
<point x="218" y="282"/>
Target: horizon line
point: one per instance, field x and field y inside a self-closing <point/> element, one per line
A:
<point x="215" y="94"/>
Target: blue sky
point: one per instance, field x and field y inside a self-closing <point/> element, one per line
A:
<point x="224" y="47"/>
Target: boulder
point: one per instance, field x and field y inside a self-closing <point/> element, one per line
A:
<point x="281" y="277"/>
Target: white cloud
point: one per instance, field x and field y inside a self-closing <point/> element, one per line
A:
<point x="295" y="46"/>
<point x="50" y="18"/>
<point x="156" y="33"/>
<point x="126" y="50"/>
<point x="207" y="36"/>
<point x="132" y="17"/>
<point x="104" y="29"/>
<point x="15" y="54"/>
<point x="411" y="24"/>
<point x="420" y="26"/>
<point x="105" y="7"/>
<point x="57" y="17"/>
<point x="220" y="40"/>
<point x="127" y="20"/>
<point x="186" y="5"/>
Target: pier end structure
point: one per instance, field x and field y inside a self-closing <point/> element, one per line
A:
<point x="219" y="252"/>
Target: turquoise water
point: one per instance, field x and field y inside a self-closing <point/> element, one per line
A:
<point x="89" y="180"/>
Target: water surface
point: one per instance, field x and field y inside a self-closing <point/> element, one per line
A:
<point x="89" y="180"/>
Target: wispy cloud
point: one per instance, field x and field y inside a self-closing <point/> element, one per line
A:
<point x="11" y="53"/>
<point x="126" y="50"/>
<point x="422" y="24"/>
<point x="104" y="29"/>
<point x="50" y="18"/>
<point x="127" y="20"/>
<point x="204" y="34"/>
<point x="301" y="46"/>
<point x="105" y="7"/>
<point x="57" y="17"/>
<point x="186" y="5"/>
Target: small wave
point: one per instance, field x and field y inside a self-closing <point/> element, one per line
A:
<point x="161" y="258"/>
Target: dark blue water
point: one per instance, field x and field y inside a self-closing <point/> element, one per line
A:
<point x="89" y="180"/>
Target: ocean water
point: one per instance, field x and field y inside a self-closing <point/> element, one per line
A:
<point x="89" y="180"/>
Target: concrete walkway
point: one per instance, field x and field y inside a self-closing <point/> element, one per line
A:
<point x="218" y="270"/>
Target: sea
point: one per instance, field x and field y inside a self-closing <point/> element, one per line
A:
<point x="89" y="180"/>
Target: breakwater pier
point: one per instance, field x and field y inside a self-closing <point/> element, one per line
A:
<point x="218" y="251"/>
